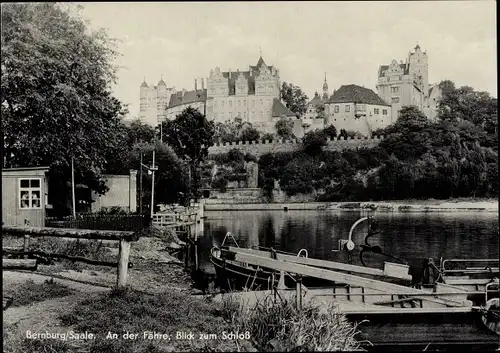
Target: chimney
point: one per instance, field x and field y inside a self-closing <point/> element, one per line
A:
<point x="202" y="84"/>
<point x="195" y="85"/>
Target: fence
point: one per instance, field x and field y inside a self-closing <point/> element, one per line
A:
<point x="126" y="222"/>
<point x="125" y="239"/>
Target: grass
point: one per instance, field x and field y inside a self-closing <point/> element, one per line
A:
<point x="281" y="326"/>
<point x="137" y="312"/>
<point x="30" y="292"/>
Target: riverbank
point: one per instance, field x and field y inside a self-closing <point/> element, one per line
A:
<point x="454" y="205"/>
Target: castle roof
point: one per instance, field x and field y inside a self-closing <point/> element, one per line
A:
<point x="162" y="83"/>
<point x="404" y="67"/>
<point x="356" y="94"/>
<point x="144" y="84"/>
<point x="187" y="97"/>
<point x="316" y="101"/>
<point x="260" y="62"/>
<point x="279" y="109"/>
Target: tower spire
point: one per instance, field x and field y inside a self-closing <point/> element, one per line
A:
<point x="260" y="50"/>
<point x="325" y="77"/>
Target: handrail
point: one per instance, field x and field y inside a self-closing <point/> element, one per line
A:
<point x="486" y="269"/>
<point x="228" y="234"/>
<point x="300" y="252"/>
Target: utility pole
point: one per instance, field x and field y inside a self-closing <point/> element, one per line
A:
<point x="73" y="186"/>
<point x="140" y="190"/>
<point x="153" y="186"/>
<point x="151" y="170"/>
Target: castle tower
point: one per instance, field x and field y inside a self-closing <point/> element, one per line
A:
<point x="161" y="100"/>
<point x="419" y="68"/>
<point x="325" y="89"/>
<point x="143" y="107"/>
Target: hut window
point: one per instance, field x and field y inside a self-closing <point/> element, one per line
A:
<point x="30" y="191"/>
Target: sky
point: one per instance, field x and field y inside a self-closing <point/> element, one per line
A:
<point x="182" y="41"/>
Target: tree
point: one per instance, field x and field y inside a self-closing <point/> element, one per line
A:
<point x="171" y="185"/>
<point x="56" y="96"/>
<point x="119" y="159"/>
<point x="465" y="103"/>
<point x="295" y="99"/>
<point x="190" y="135"/>
<point x="249" y="134"/>
<point x="330" y="131"/>
<point x="314" y="141"/>
<point x="284" y="128"/>
<point x="320" y="110"/>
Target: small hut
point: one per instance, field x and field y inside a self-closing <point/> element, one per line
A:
<point x="24" y="196"/>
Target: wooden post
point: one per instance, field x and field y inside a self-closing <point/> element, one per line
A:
<point x="123" y="256"/>
<point x="281" y="282"/>
<point x="299" y="293"/>
<point x="26" y="244"/>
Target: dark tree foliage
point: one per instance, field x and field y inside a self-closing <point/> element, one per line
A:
<point x="190" y="135"/>
<point x="295" y="99"/>
<point x="56" y="97"/>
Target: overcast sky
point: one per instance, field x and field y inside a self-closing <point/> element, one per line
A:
<point x="347" y="40"/>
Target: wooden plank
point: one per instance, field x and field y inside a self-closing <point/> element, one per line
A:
<point x="337" y="277"/>
<point x="70" y="233"/>
<point x="25" y="264"/>
<point x="123" y="256"/>
<point x="390" y="310"/>
<point x="320" y="263"/>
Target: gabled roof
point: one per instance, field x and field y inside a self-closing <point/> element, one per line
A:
<point x="187" y="97"/>
<point x="260" y="62"/>
<point x="356" y="94"/>
<point x="279" y="109"/>
<point x="404" y="67"/>
<point x="316" y="101"/>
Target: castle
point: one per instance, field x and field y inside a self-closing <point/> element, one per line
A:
<point x="403" y="84"/>
<point x="154" y="101"/>
<point x="252" y="95"/>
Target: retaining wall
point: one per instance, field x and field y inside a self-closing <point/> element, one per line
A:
<point x="258" y="148"/>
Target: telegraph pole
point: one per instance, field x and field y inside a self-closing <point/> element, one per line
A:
<point x="73" y="186"/>
<point x="140" y="190"/>
<point x="153" y="168"/>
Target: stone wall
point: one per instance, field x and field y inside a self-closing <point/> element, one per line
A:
<point x="258" y="148"/>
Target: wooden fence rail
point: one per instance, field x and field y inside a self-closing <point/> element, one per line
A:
<point x="124" y="237"/>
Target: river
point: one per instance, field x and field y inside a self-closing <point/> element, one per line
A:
<point x="409" y="236"/>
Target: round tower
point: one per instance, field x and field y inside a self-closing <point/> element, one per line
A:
<point x="161" y="98"/>
<point x="144" y="90"/>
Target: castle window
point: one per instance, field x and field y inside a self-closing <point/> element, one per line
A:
<point x="395" y="89"/>
<point x="244" y="103"/>
<point x="376" y="111"/>
<point x="267" y="101"/>
<point x="230" y="104"/>
<point x="384" y="111"/>
<point x="347" y="108"/>
<point x="261" y="113"/>
<point x="222" y="103"/>
<point x="253" y="103"/>
<point x="245" y="115"/>
<point x="261" y="102"/>
<point x="221" y="116"/>
<point x="395" y="99"/>
<point x="336" y="109"/>
<point x="239" y="103"/>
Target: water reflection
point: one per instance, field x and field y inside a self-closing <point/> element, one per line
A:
<point x="411" y="236"/>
